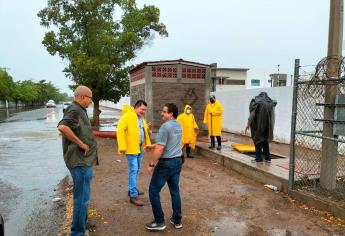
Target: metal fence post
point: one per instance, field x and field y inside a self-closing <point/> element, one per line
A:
<point x="293" y="126"/>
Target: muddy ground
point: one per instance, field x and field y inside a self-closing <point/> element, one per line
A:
<point x="215" y="201"/>
<point x="50" y="217"/>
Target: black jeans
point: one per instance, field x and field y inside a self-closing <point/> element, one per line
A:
<point x="213" y="142"/>
<point x="187" y="150"/>
<point x="264" y="148"/>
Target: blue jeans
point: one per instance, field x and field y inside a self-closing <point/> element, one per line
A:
<point x="262" y="147"/>
<point x="82" y="177"/>
<point x="134" y="163"/>
<point x="166" y="171"/>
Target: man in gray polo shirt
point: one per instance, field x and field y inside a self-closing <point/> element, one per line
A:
<point x="166" y="164"/>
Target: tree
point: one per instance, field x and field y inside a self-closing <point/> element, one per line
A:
<point x="97" y="38"/>
<point x="47" y="91"/>
<point x="26" y="91"/>
<point x="7" y="86"/>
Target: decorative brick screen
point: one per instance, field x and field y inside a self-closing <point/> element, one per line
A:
<point x="192" y="72"/>
<point x="166" y="71"/>
<point x="138" y="75"/>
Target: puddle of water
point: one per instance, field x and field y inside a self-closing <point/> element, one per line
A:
<point x="228" y="226"/>
<point x="109" y="127"/>
<point x="31" y="161"/>
<point x="284" y="232"/>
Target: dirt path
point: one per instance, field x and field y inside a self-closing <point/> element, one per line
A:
<point x="215" y="201"/>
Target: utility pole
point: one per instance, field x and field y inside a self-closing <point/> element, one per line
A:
<point x="278" y="76"/>
<point x="329" y="151"/>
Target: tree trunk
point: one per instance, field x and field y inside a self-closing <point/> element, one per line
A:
<point x="96" y="113"/>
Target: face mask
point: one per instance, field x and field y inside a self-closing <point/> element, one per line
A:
<point x="212" y="101"/>
<point x="188" y="111"/>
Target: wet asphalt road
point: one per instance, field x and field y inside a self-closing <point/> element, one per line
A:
<point x="31" y="164"/>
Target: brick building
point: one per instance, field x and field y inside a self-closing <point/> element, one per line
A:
<point x="179" y="81"/>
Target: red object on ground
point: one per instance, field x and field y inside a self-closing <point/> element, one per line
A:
<point x="207" y="139"/>
<point x="105" y="134"/>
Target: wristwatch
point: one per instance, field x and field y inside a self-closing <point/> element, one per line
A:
<point x="151" y="165"/>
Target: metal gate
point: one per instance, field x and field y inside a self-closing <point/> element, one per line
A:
<point x="317" y="150"/>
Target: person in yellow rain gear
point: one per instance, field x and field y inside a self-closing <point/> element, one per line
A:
<point x="190" y="129"/>
<point x="213" y="118"/>
<point x="132" y="138"/>
<point x="126" y="108"/>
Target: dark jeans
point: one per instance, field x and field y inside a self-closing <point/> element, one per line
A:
<point x="213" y="141"/>
<point x="187" y="150"/>
<point x="166" y="171"/>
<point x="262" y="147"/>
<point x="82" y="177"/>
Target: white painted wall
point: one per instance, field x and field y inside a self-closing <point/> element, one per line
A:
<point x="233" y="75"/>
<point x="236" y="110"/>
<point x="228" y="87"/>
<point x="123" y="100"/>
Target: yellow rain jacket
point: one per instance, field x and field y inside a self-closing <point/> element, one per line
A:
<point x="128" y="133"/>
<point x="188" y="125"/>
<point x="126" y="108"/>
<point x="213" y="117"/>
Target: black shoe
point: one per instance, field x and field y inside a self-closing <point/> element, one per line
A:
<point x="190" y="156"/>
<point x="219" y="148"/>
<point x="139" y="193"/>
<point x="177" y="226"/>
<point x="91" y="227"/>
<point x="268" y="161"/>
<point x="255" y="161"/>
<point x="155" y="226"/>
<point x="211" y="147"/>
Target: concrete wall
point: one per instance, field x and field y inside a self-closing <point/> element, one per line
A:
<point x="229" y="87"/>
<point x="178" y="82"/>
<point x="236" y="110"/>
<point x="180" y="94"/>
<point x="232" y="75"/>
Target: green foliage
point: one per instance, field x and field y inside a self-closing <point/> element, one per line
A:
<point x="28" y="91"/>
<point x="7" y="86"/>
<point x="97" y="45"/>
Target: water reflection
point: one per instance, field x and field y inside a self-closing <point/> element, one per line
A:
<point x="51" y="115"/>
<point x="7" y="113"/>
<point x="30" y="160"/>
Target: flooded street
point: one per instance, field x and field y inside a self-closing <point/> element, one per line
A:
<point x="31" y="164"/>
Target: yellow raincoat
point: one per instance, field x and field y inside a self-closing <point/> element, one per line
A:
<point x="126" y="108"/>
<point x="213" y="117"/>
<point x="128" y="133"/>
<point x="189" y="128"/>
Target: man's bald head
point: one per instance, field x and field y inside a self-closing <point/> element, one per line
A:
<point x="82" y="90"/>
<point x="83" y="96"/>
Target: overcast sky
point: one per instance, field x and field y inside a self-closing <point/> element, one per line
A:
<point x="254" y="34"/>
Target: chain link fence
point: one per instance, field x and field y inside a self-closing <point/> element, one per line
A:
<point x="317" y="155"/>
